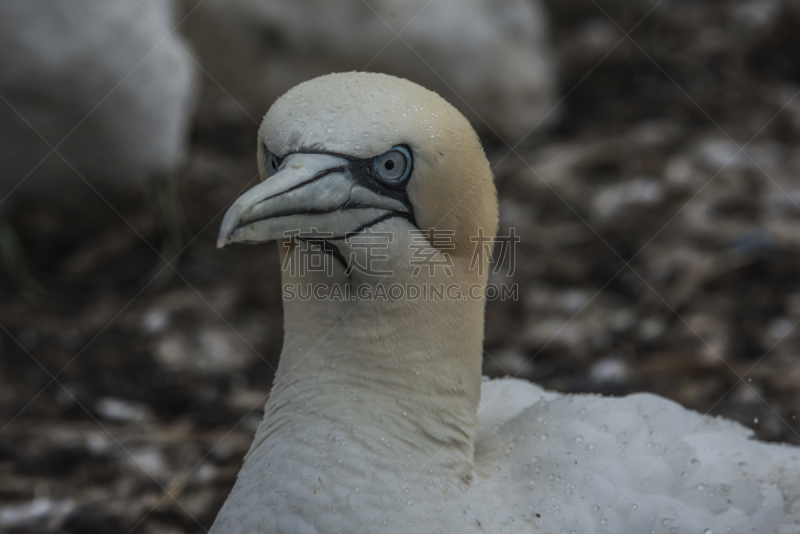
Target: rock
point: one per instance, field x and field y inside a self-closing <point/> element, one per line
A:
<point x="651" y="328"/>
<point x="209" y="350"/>
<point x="155" y="321"/>
<point x="609" y="370"/>
<point x="150" y="461"/>
<point x="40" y="514"/>
<point x="120" y="410"/>
<point x="613" y="200"/>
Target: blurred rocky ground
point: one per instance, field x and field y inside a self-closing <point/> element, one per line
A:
<point x="659" y="218"/>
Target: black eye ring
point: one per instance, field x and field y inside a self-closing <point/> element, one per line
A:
<point x="271" y="162"/>
<point x="393" y="167"/>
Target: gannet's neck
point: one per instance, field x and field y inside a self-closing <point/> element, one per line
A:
<point x="373" y="394"/>
<point x="408" y="366"/>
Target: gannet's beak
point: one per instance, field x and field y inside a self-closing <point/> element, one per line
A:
<point x="309" y="193"/>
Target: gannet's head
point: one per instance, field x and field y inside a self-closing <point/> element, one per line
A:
<point x="343" y="152"/>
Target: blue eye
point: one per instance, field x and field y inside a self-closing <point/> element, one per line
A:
<point x="271" y="162"/>
<point x="394" y="166"/>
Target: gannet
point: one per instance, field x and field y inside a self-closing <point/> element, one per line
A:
<point x="95" y="97"/>
<point x="379" y="420"/>
<point x="102" y="83"/>
<point x="490" y="56"/>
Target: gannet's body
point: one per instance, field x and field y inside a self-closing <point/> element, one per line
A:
<point x="379" y="421"/>
<point x="492" y="53"/>
<point x="102" y="74"/>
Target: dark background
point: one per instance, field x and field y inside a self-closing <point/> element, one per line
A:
<point x="655" y="255"/>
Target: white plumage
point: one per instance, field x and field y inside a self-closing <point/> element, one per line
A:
<point x="637" y="464"/>
<point x="379" y="421"/>
<point x="492" y="53"/>
<point x="102" y="74"/>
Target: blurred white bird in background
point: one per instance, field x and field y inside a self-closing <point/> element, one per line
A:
<point x="104" y="78"/>
<point x="100" y="82"/>
<point x="489" y="57"/>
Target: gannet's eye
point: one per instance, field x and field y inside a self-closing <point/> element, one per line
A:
<point x="271" y="162"/>
<point x="394" y="166"/>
